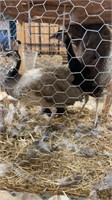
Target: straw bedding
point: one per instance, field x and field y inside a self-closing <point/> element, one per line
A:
<point x="70" y="155"/>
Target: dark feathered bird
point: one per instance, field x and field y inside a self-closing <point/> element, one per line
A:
<point x="84" y="75"/>
<point x="94" y="48"/>
<point x="47" y="87"/>
<point x="14" y="70"/>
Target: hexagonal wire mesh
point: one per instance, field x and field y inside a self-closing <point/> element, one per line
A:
<point x="54" y="137"/>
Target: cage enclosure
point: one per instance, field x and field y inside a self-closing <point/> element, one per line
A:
<point x="55" y="99"/>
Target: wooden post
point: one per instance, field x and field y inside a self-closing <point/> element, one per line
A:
<point x="21" y="37"/>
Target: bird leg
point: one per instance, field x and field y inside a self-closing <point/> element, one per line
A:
<point x="107" y="101"/>
<point x="58" y="111"/>
<point x="107" y="105"/>
<point x="47" y="111"/>
<point x="96" y="112"/>
<point x="85" y="102"/>
<point x="52" y="112"/>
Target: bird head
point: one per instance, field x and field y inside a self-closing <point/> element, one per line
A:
<point x="13" y="54"/>
<point x="61" y="35"/>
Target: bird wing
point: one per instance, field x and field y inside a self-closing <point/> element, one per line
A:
<point x="51" y="85"/>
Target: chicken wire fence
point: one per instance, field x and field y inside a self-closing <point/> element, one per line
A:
<point x="56" y="90"/>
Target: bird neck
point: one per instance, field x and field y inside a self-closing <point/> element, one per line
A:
<point x="74" y="63"/>
<point x="69" y="48"/>
<point x="18" y="63"/>
<point x="15" y="68"/>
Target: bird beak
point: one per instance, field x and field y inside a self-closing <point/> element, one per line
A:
<point x="6" y="53"/>
<point x="53" y="36"/>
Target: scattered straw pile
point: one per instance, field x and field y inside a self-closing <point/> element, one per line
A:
<point x="70" y="155"/>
